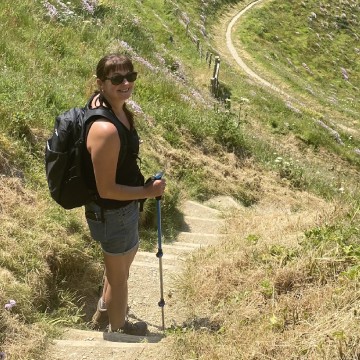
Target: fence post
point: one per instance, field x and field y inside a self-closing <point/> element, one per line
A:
<point x="213" y="85"/>
<point x="228" y="103"/>
<point x="215" y="79"/>
<point x="216" y="67"/>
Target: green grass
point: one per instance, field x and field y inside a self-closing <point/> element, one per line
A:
<point x="47" y="66"/>
<point x="320" y="41"/>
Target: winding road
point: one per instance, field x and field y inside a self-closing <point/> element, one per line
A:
<point x="300" y="105"/>
<point x="240" y="62"/>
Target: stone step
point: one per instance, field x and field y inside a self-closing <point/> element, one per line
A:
<point x="91" y="336"/>
<point x="178" y="248"/>
<point x="144" y="302"/>
<point x="225" y="204"/>
<point x="181" y="246"/>
<point x="202" y="225"/>
<point x="170" y="261"/>
<point x="81" y="344"/>
<point x="153" y="265"/>
<point x="194" y="209"/>
<point x="199" y="238"/>
<point x="174" y="254"/>
<point x="152" y="255"/>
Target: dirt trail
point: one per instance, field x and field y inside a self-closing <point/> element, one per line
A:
<point x="300" y="102"/>
<point x="281" y="216"/>
<point x="238" y="59"/>
<point x="238" y="53"/>
<point x="202" y="226"/>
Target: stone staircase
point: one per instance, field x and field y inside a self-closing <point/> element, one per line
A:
<point x="202" y="226"/>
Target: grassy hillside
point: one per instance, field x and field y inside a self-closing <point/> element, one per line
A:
<point x="287" y="287"/>
<point x="316" y="50"/>
<point x="312" y="49"/>
<point x="49" y="53"/>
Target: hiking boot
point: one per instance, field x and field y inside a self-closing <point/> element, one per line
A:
<point x="100" y="319"/>
<point x="138" y="328"/>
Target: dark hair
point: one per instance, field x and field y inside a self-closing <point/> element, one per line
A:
<point x="112" y="63"/>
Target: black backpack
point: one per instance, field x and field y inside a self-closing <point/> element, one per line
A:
<point x="64" y="156"/>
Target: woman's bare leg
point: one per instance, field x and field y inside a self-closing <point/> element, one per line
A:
<point x="105" y="285"/>
<point x="116" y="287"/>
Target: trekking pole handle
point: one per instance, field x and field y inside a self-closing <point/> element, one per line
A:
<point x="157" y="176"/>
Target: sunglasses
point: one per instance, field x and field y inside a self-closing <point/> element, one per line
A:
<point x="118" y="79"/>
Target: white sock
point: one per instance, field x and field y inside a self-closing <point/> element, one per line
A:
<point x="102" y="305"/>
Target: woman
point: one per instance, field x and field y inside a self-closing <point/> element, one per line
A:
<point x="113" y="217"/>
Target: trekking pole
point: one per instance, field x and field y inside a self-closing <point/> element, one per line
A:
<point x="159" y="254"/>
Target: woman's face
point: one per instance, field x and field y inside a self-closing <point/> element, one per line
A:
<point x="118" y="86"/>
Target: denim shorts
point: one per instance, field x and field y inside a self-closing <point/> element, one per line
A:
<point x="117" y="230"/>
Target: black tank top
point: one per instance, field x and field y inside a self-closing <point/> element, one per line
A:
<point x="127" y="173"/>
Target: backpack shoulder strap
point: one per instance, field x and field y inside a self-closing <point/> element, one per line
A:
<point x="109" y="115"/>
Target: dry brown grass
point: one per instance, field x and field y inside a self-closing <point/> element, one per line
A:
<point x="22" y="341"/>
<point x="42" y="266"/>
<point x="260" y="295"/>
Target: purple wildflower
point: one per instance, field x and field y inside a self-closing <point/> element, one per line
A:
<point x="2" y="355"/>
<point x="51" y="12"/>
<point x="89" y="6"/>
<point x="197" y="95"/>
<point x="307" y="68"/>
<point x="136" y="107"/>
<point x="138" y="58"/>
<point x="64" y="6"/>
<point x="136" y="20"/>
<point x="10" y="305"/>
<point x="61" y="12"/>
<point x="66" y="11"/>
<point x="344" y="74"/>
<point x="146" y="63"/>
<point x="185" y="17"/>
<point x="185" y="97"/>
<point x="160" y="58"/>
<point x="126" y="46"/>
